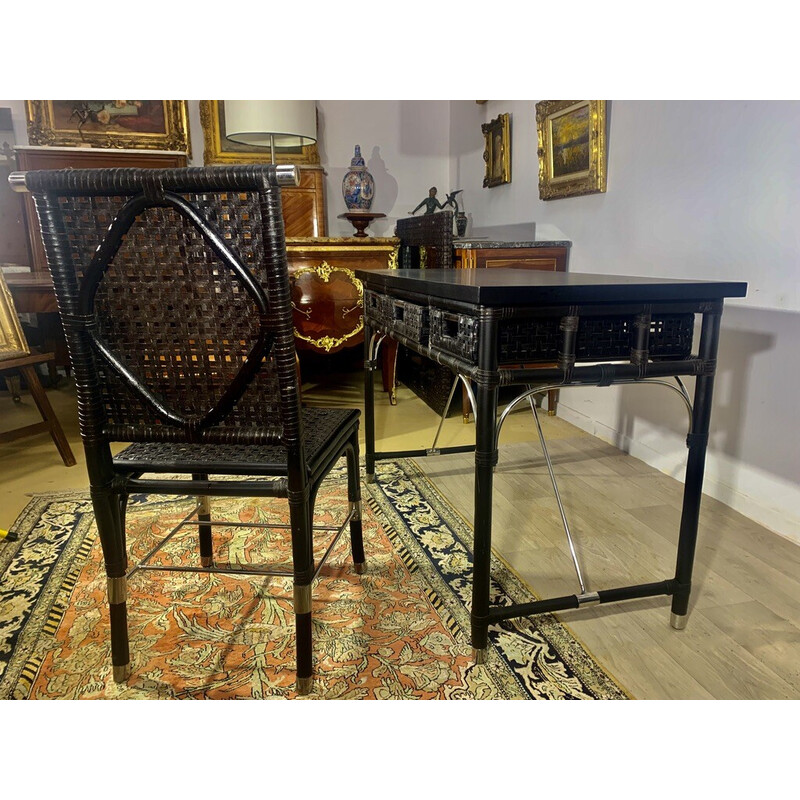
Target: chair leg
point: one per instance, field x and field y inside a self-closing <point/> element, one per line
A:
<point x="301" y="515"/>
<point x="354" y="496"/>
<point x="302" y="621"/>
<point x="108" y="511"/>
<point x="204" y="531"/>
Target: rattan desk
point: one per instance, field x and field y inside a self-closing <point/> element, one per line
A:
<point x="484" y="323"/>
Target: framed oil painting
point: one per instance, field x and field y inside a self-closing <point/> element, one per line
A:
<point x="219" y="150"/>
<point x="572" y="147"/>
<point x="497" y="151"/>
<point x="12" y="339"/>
<point x="121" y="124"/>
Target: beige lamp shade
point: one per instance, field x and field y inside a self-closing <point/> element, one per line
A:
<point x="271" y="123"/>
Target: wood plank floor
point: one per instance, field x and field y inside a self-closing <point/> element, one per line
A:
<point x="743" y="635"/>
<point x="742" y="640"/>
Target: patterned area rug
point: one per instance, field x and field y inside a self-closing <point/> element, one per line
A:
<point x="400" y="630"/>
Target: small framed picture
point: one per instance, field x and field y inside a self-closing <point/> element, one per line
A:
<point x="572" y="147"/>
<point x="497" y="151"/>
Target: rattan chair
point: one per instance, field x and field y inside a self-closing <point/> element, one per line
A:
<point x="173" y="290"/>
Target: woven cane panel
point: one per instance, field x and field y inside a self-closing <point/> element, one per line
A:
<point x="178" y="317"/>
<point x="320" y="425"/>
<point x="533" y="340"/>
<point x="434" y="233"/>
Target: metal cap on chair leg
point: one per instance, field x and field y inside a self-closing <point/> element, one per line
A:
<point x="678" y="621"/>
<point x="304" y="685"/>
<point x="122" y="673"/>
<point x="359" y="567"/>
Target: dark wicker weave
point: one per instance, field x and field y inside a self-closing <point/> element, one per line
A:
<point x="600" y="337"/>
<point x="426" y="241"/>
<point x="173" y="290"/>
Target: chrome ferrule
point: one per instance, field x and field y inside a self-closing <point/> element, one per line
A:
<point x="17" y="182"/>
<point x="678" y="621"/>
<point x="117" y="590"/>
<point x="302" y="599"/>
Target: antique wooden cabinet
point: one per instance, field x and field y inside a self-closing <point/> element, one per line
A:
<point x="304" y="205"/>
<point x="326" y="295"/>
<point x="80" y="158"/>
<point x="477" y="254"/>
<point x="328" y="299"/>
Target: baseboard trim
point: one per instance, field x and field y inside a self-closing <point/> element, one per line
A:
<point x="739" y="486"/>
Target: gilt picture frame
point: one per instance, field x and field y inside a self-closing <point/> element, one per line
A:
<point x="12" y="339"/>
<point x="571" y="147"/>
<point x="219" y="150"/>
<point x="114" y="124"/>
<point x="497" y="151"/>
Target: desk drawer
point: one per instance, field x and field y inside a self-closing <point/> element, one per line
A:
<point x="398" y="316"/>
<point x="456" y="334"/>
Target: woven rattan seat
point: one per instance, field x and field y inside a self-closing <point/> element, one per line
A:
<point x="173" y="290"/>
<point x="320" y="424"/>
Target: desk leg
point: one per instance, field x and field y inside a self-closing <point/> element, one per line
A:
<point x="485" y="461"/>
<point x="369" y="405"/>
<point x="697" y="442"/>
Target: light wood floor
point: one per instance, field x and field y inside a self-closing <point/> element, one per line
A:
<point x="743" y="636"/>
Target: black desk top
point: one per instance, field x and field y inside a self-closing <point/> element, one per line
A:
<point x="514" y="287"/>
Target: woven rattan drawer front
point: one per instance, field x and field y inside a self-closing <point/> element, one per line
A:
<point x="398" y="316"/>
<point x="454" y="333"/>
<point x="410" y="320"/>
<point x="600" y="338"/>
<point x="377" y="308"/>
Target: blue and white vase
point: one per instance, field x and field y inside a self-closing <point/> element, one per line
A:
<point x="358" y="186"/>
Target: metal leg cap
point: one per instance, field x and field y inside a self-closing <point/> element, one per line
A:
<point x="479" y="655"/>
<point x="206" y="561"/>
<point x="304" y="685"/>
<point x="678" y="621"/>
<point x="359" y="567"/>
<point x="369" y="477"/>
<point x="121" y="674"/>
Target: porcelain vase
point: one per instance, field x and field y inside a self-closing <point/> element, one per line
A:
<point x="358" y="186"/>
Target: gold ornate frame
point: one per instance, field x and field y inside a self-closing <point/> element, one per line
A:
<point x="497" y="150"/>
<point x="587" y="119"/>
<point x="42" y="130"/>
<point x="218" y="150"/>
<point x="12" y="339"/>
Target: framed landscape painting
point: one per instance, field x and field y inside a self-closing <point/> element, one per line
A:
<point x="121" y="124"/>
<point x="572" y="147"/>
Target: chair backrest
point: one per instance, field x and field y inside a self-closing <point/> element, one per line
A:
<point x="173" y="290"/>
<point x="427" y="241"/>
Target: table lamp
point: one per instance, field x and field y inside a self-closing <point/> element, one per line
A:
<point x="271" y="123"/>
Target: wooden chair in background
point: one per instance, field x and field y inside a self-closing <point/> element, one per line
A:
<point x="17" y="359"/>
